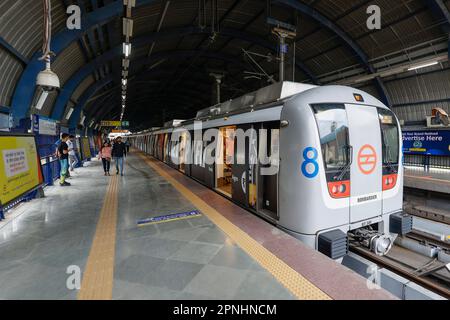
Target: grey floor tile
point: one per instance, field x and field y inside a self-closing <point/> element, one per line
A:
<point x="217" y="282"/>
<point x="148" y="246"/>
<point x="137" y="268"/>
<point x="234" y="257"/>
<point x="261" y="285"/>
<point x="196" y="252"/>
<point x="124" y="290"/>
<point x="174" y="275"/>
<point x="212" y="235"/>
<point x="182" y="234"/>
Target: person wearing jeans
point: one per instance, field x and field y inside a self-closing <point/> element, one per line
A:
<point x="119" y="151"/>
<point x="63" y="154"/>
<point x="105" y="155"/>
<point x="73" y="160"/>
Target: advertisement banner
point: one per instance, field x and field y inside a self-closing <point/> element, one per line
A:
<point x="435" y="143"/>
<point x="86" y="148"/>
<point x="20" y="169"/>
<point x="45" y="126"/>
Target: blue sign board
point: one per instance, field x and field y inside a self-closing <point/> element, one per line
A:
<point x="176" y="216"/>
<point x="45" y="126"/>
<point x="435" y="143"/>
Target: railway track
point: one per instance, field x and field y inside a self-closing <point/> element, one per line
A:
<point x="424" y="271"/>
<point x="426" y="278"/>
<point x="427" y="239"/>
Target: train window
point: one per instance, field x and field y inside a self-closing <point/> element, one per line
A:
<point x="390" y="137"/>
<point x="334" y="136"/>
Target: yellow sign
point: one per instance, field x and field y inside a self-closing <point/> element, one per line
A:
<point x="111" y="123"/>
<point x="20" y="170"/>
<point x="86" y="148"/>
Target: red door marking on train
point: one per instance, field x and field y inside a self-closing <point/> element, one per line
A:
<point x="367" y="159"/>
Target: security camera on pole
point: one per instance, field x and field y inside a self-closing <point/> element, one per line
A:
<point x="47" y="81"/>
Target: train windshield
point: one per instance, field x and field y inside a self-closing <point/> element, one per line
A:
<point x="390" y="137"/>
<point x="334" y="136"/>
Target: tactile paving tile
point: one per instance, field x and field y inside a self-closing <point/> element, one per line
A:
<point x="98" y="275"/>
<point x="301" y="287"/>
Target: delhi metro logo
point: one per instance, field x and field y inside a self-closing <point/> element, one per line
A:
<point x="367" y="159"/>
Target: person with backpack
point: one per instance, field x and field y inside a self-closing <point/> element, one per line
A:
<point x="119" y="151"/>
<point x="105" y="155"/>
<point x="63" y="155"/>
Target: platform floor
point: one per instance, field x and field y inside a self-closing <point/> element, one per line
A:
<point x="435" y="180"/>
<point x="93" y="225"/>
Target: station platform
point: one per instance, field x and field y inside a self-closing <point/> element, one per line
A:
<point x="224" y="253"/>
<point x="434" y="180"/>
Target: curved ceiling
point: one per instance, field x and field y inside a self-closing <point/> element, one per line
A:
<point x="175" y="50"/>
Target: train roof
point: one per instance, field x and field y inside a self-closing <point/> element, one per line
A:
<point x="265" y="104"/>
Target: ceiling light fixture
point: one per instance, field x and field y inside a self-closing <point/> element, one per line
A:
<point x="69" y="113"/>
<point x="126" y="49"/>
<point x="425" y="65"/>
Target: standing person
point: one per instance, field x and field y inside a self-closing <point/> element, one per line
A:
<point x="127" y="144"/>
<point x="119" y="151"/>
<point x="73" y="159"/>
<point x="106" y="154"/>
<point x="63" y="154"/>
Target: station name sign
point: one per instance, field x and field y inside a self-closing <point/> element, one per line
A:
<point x="106" y="123"/>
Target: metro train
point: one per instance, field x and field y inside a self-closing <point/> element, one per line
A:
<point x="337" y="154"/>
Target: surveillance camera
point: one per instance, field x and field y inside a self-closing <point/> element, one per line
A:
<point x="48" y="80"/>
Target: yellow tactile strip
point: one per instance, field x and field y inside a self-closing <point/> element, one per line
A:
<point x="98" y="275"/>
<point x="301" y="287"/>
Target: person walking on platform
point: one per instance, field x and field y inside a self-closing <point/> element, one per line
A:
<point x="105" y="154"/>
<point x="63" y="154"/>
<point x="73" y="160"/>
<point x="119" y="151"/>
<point x="127" y="144"/>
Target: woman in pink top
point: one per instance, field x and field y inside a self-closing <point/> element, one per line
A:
<point x="105" y="155"/>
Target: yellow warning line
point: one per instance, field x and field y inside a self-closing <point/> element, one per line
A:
<point x="301" y="287"/>
<point x="98" y="275"/>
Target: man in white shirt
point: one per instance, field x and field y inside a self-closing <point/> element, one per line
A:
<point x="73" y="160"/>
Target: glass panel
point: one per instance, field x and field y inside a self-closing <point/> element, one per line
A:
<point x="390" y="137"/>
<point x="334" y="137"/>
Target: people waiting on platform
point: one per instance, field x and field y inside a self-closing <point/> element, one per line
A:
<point x="73" y="159"/>
<point x="105" y="155"/>
<point x="119" y="152"/>
<point x="63" y="155"/>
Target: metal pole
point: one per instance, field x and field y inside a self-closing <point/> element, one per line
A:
<point x="282" y="57"/>
<point x="218" y="82"/>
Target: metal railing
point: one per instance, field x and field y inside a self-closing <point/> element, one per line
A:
<point x="424" y="161"/>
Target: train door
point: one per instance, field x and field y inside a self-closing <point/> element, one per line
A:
<point x="239" y="170"/>
<point x="182" y="153"/>
<point x="366" y="169"/>
<point x="224" y="162"/>
<point x="269" y="146"/>
<point x="188" y="165"/>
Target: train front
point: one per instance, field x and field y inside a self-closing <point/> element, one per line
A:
<point x="341" y="176"/>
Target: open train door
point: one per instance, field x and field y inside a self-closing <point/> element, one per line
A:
<point x="240" y="168"/>
<point x="366" y="168"/>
